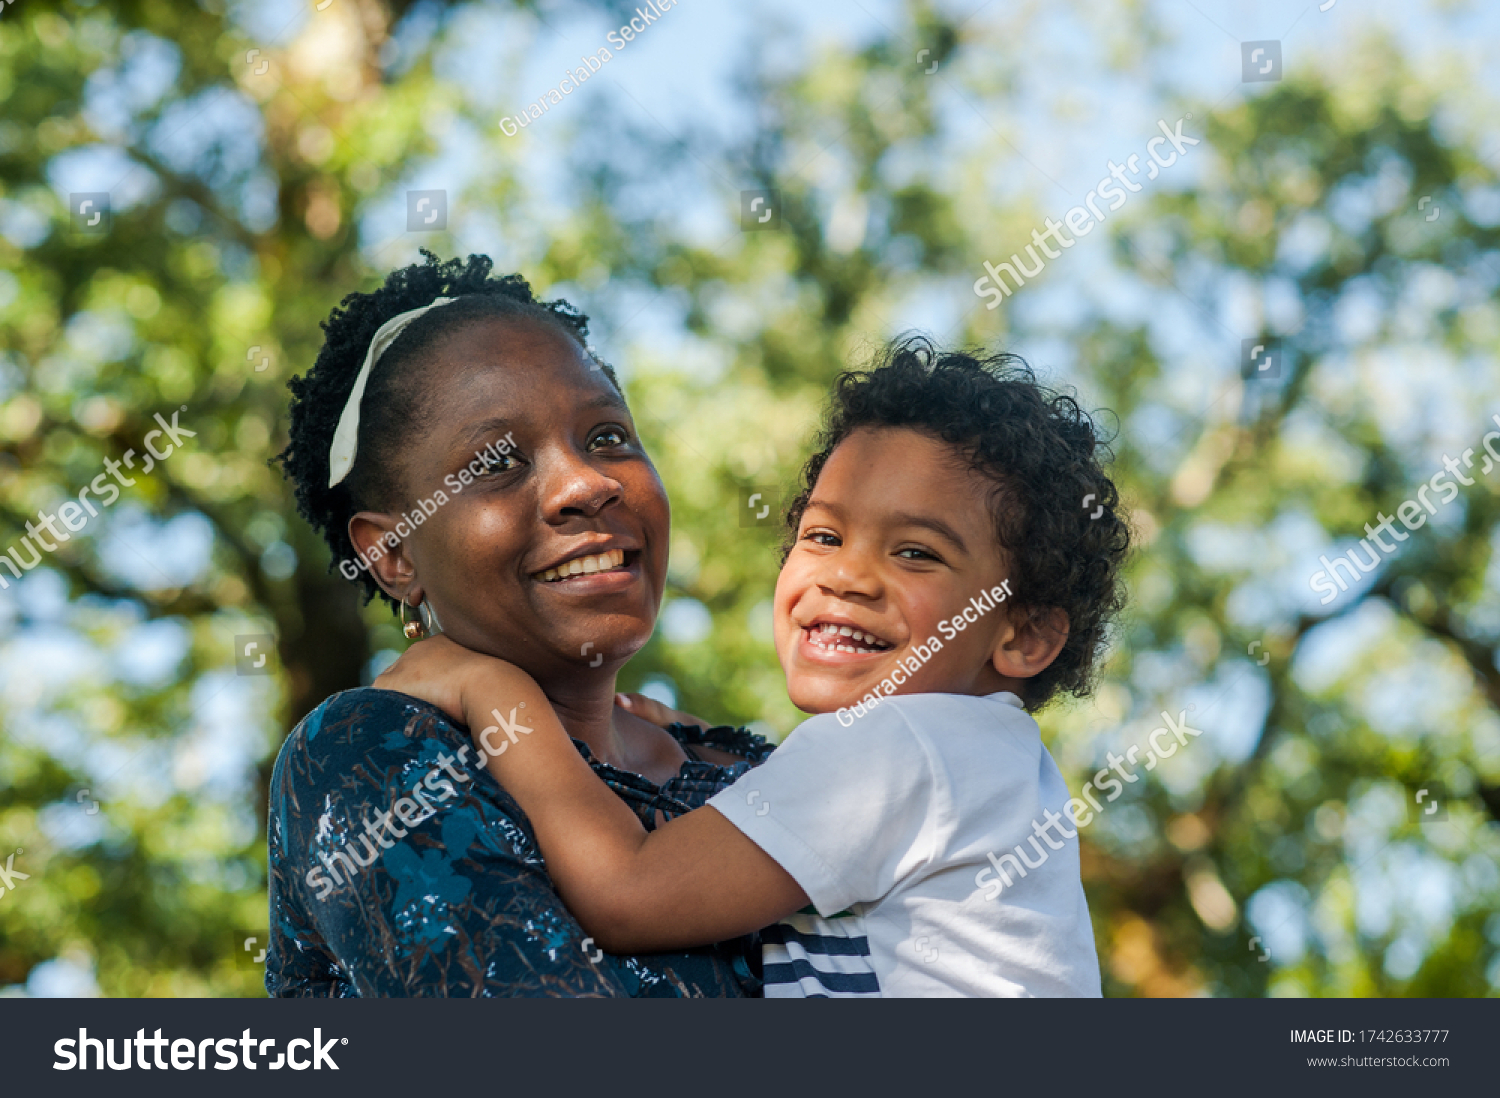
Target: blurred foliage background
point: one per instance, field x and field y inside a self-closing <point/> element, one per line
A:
<point x="256" y="159"/>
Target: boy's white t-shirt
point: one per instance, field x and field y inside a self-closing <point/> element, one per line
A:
<point x="889" y="825"/>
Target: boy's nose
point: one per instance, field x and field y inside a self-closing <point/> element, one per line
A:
<point x="849" y="574"/>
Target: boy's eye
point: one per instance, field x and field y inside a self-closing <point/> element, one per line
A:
<point x="821" y="537"/>
<point x="608" y="436"/>
<point x="918" y="554"/>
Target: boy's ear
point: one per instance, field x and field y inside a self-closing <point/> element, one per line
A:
<point x="375" y="538"/>
<point x="1030" y="642"/>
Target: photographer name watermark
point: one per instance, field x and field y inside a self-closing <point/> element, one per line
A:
<point x="592" y="63"/>
<point x="427" y="507"/>
<point x="910" y="665"/>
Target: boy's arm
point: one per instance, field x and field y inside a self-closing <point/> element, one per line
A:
<point x="696" y="879"/>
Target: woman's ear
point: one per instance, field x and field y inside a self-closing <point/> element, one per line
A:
<point x="1029" y="642"/>
<point x="375" y="538"/>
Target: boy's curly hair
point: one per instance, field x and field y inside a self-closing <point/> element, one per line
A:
<point x="393" y="406"/>
<point x="1042" y="453"/>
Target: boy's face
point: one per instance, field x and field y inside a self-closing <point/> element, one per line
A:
<point x="897" y="537"/>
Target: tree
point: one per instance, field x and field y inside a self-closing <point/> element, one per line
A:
<point x="256" y="176"/>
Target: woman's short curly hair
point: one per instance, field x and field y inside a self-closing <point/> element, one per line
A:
<point x="1044" y="456"/>
<point x="393" y="406"/>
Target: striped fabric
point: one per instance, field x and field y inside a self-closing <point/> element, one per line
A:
<point x="809" y="957"/>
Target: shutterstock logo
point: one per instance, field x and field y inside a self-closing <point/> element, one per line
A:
<point x="1260" y="357"/>
<point x="189" y="1055"/>
<point x="426" y="211"/>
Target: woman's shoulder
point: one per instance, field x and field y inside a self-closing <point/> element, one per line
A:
<point x="734" y="744"/>
<point x="376" y="732"/>
<point x="364" y="703"/>
<point x="361" y="751"/>
<point x="367" y="716"/>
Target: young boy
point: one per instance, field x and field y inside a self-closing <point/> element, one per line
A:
<point x="946" y="575"/>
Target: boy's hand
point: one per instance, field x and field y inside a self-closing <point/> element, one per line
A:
<point x="445" y="673"/>
<point x="649" y="709"/>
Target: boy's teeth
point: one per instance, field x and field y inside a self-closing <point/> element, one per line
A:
<point x="828" y="635"/>
<point x="585" y="566"/>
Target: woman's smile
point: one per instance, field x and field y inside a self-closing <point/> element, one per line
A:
<point x="593" y="571"/>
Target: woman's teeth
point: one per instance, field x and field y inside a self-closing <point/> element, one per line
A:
<point x="584" y="566"/>
<point x="832" y="638"/>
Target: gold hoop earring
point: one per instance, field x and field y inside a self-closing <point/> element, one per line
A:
<point x="414" y="630"/>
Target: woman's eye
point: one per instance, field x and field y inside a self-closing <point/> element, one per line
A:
<point x="821" y="537"/>
<point x="608" y="436"/>
<point x="503" y="463"/>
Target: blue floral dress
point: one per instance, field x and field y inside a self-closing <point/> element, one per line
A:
<point x="399" y="866"/>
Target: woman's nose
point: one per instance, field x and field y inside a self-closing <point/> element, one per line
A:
<point x="575" y="486"/>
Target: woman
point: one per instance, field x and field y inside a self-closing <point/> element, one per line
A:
<point x="470" y="460"/>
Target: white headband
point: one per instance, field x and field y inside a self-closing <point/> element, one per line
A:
<point x="346" y="438"/>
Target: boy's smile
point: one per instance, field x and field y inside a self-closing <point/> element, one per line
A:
<point x="896" y="538"/>
<point x="832" y="637"/>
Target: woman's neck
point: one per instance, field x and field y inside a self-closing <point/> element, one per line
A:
<point x="588" y="713"/>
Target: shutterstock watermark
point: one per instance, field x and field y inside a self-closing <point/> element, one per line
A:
<point x="1412" y="513"/>
<point x="1079" y="812"/>
<point x="9" y="874"/>
<point x="1081" y="221"/>
<point x="75" y="513"/>
<point x="415" y="806"/>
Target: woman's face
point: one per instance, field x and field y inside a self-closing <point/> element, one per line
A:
<point x="575" y="485"/>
